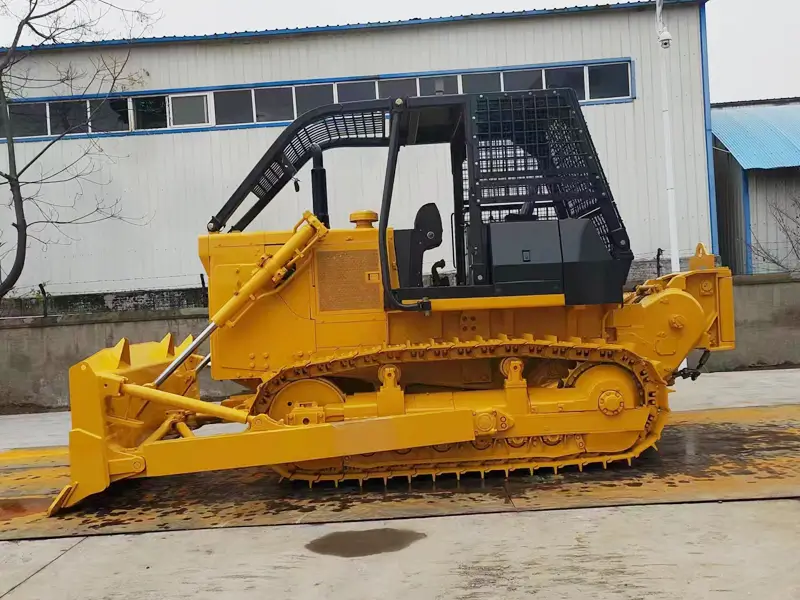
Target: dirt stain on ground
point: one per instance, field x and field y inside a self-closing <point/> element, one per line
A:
<point x="12" y="508"/>
<point x="351" y="544"/>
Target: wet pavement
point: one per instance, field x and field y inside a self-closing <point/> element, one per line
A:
<point x="708" y="551"/>
<point x="725" y="454"/>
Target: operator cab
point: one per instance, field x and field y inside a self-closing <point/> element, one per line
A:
<point x="532" y="211"/>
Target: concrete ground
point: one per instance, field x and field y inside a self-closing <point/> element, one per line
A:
<point x="699" y="551"/>
<point x="716" y="551"/>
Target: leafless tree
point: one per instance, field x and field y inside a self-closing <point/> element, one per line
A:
<point x="785" y="256"/>
<point x="39" y="23"/>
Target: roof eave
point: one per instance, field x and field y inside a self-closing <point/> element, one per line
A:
<point x="300" y="31"/>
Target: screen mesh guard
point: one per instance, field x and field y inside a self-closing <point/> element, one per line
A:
<point x="530" y="150"/>
<point x="533" y="150"/>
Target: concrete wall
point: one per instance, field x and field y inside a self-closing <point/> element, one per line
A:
<point x="767" y="309"/>
<point x="36" y="353"/>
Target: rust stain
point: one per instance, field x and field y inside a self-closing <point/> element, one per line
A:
<point x="14" y="508"/>
<point x="729" y="454"/>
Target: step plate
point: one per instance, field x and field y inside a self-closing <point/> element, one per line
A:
<point x="715" y="455"/>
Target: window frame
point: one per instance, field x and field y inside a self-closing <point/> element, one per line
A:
<point x="388" y="80"/>
<point x="209" y="94"/>
<point x="374" y="83"/>
<point x="46" y="117"/>
<point x="471" y="73"/>
<point x="275" y="87"/>
<point x="132" y="108"/>
<point x="628" y="64"/>
<point x="522" y="70"/>
<point x="455" y="76"/>
<point x="576" y="66"/>
<point x="296" y="87"/>
<point x="128" y="110"/>
<point x="87" y="114"/>
<point x="171" y="120"/>
<point x="252" y="120"/>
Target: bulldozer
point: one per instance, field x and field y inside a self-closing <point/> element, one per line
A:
<point x="356" y="364"/>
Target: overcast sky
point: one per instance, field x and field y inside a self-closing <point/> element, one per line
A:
<point x="754" y="46"/>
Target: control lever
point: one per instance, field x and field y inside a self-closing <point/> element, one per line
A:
<point x="436" y="279"/>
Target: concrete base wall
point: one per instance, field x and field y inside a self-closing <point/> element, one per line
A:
<point x="767" y="312"/>
<point x="36" y="353"/>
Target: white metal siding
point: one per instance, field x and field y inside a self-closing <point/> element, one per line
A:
<point x="774" y="197"/>
<point x="730" y="213"/>
<point x="180" y="180"/>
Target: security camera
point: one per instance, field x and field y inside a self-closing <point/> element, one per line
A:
<point x="665" y="39"/>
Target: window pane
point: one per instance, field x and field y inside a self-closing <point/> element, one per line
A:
<point x="429" y="85"/>
<point x="68" y="117"/>
<point x="566" y="77"/>
<point x="397" y="88"/>
<point x="109" y="115"/>
<point x="233" y="107"/>
<point x="28" y="119"/>
<point x="357" y="90"/>
<point x="311" y="96"/>
<point x="480" y="82"/>
<point x="150" y="113"/>
<point x="189" y="110"/>
<point x="609" y="81"/>
<point x="274" y="104"/>
<point x="522" y="80"/>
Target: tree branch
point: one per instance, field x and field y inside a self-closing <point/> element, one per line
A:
<point x="59" y="21"/>
<point x="53" y="11"/>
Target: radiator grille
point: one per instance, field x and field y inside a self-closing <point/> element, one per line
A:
<point x="347" y="280"/>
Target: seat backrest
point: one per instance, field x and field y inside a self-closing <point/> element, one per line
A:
<point x="411" y="244"/>
<point x="428" y="224"/>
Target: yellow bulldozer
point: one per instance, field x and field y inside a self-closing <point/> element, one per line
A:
<point x="355" y="364"/>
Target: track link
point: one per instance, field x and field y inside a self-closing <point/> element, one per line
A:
<point x="485" y="454"/>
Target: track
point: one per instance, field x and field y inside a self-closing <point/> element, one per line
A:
<point x="489" y="454"/>
<point x="715" y="455"/>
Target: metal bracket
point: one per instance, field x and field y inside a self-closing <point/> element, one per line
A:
<point x="693" y="374"/>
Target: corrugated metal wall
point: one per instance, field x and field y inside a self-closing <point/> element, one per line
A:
<point x="730" y="211"/>
<point x="176" y="182"/>
<point x="774" y="218"/>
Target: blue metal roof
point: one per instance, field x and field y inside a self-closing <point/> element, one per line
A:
<point x="760" y="136"/>
<point x="626" y="4"/>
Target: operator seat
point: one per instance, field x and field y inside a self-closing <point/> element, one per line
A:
<point x="525" y="213"/>
<point x="410" y="245"/>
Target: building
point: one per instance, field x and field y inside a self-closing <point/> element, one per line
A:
<point x="170" y="148"/>
<point x="757" y="167"/>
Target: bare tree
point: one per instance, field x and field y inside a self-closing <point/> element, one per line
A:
<point x="784" y="255"/>
<point x="40" y="23"/>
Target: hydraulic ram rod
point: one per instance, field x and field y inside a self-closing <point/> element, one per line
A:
<point x="181" y="358"/>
